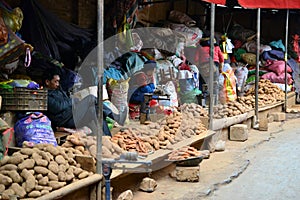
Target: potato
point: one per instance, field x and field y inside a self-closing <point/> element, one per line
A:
<point x="35" y="194"/>
<point x="5" y="180"/>
<point x="8" y="167"/>
<point x="13" y="174"/>
<point x="60" y="159"/>
<point x="43" y="192"/>
<point x="52" y="176"/>
<point x="41" y="170"/>
<point x="27" y="164"/>
<point x="30" y="180"/>
<point x="83" y="174"/>
<point x="62" y="176"/>
<point x="7" y="193"/>
<point x="27" y="151"/>
<point x="17" y="159"/>
<point x="56" y="185"/>
<point x="41" y="162"/>
<point x="2" y="188"/>
<point x="53" y="166"/>
<point x="51" y="149"/>
<point x="18" y="190"/>
<point x="44" y="181"/>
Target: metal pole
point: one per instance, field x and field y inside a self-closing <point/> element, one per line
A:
<point x="211" y="63"/>
<point x="100" y="26"/>
<point x="285" y="58"/>
<point x="257" y="69"/>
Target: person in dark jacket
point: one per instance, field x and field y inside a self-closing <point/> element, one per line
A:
<point x="67" y="112"/>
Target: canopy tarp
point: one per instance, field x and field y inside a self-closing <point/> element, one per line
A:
<point x="222" y="2"/>
<point x="274" y="4"/>
<point x="278" y="4"/>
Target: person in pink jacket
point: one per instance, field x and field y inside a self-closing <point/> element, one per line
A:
<point x="202" y="57"/>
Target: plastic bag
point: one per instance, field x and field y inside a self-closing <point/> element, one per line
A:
<point x="34" y="127"/>
<point x="228" y="92"/>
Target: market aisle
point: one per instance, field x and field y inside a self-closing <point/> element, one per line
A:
<point x="263" y="167"/>
<point x="273" y="172"/>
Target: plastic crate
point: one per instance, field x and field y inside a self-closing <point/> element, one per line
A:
<point x="19" y="99"/>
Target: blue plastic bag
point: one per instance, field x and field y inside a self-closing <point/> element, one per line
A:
<point x="34" y="127"/>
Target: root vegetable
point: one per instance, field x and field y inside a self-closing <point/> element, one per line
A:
<point x="8" y="167"/>
<point x="41" y="170"/>
<point x="34" y="194"/>
<point x="20" y="191"/>
<point x="5" y="180"/>
<point x="27" y="164"/>
<point x="56" y="185"/>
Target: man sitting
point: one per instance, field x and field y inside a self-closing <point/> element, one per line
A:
<point x="66" y="112"/>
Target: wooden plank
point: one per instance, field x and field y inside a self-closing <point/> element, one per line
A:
<point x="160" y="155"/>
<point x="73" y="187"/>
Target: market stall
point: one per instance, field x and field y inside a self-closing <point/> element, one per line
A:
<point x="182" y="120"/>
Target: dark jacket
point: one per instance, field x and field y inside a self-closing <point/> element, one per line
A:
<point x="59" y="108"/>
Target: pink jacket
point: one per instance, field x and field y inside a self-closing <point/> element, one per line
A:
<point x="202" y="54"/>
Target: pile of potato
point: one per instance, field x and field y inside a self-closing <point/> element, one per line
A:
<point x="230" y="109"/>
<point x="183" y="153"/>
<point x="194" y="110"/>
<point x="268" y="93"/>
<point x="33" y="172"/>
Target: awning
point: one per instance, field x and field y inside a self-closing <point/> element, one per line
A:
<point x="274" y="4"/>
<point x="278" y="4"/>
<point x="222" y="2"/>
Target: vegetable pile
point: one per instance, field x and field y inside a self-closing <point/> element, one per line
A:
<point x="268" y="93"/>
<point x="38" y="170"/>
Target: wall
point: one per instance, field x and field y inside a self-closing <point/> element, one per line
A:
<point x="80" y="12"/>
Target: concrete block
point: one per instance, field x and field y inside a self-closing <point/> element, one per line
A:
<point x="205" y="121"/>
<point x="238" y="132"/>
<point x="270" y="118"/>
<point x="278" y="116"/>
<point x="187" y="174"/>
<point x="263" y="124"/>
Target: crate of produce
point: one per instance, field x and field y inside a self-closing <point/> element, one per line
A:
<point x="23" y="99"/>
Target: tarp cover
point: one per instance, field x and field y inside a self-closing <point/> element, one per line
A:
<point x="275" y="4"/>
<point x="278" y="4"/>
<point x="216" y="1"/>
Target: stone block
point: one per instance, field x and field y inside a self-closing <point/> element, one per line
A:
<point x="263" y="124"/>
<point x="187" y="174"/>
<point x="270" y="118"/>
<point x="278" y="116"/>
<point x="238" y="132"/>
<point x="205" y="121"/>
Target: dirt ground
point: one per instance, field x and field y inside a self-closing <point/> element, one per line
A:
<point x="219" y="170"/>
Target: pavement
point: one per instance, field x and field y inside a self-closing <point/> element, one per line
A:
<point x="220" y="169"/>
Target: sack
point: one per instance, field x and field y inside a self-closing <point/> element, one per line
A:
<point x="34" y="127"/>
<point x="228" y="92"/>
<point x="118" y="93"/>
<point x="12" y="50"/>
<point x="249" y="58"/>
<point x="204" y="69"/>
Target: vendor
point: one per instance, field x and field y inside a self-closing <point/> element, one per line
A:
<point x="202" y="58"/>
<point x="140" y="83"/>
<point x="67" y="112"/>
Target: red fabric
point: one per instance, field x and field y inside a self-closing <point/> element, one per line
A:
<point x="280" y="4"/>
<point x="216" y="1"/>
<point x="202" y="55"/>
